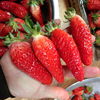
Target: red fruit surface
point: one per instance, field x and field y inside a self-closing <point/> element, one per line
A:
<point x="47" y="54"/>
<point x="15" y="8"/>
<point x="77" y="97"/>
<point x="36" y="14"/>
<point x="25" y="3"/>
<point x="82" y="36"/>
<point x="88" y="90"/>
<point x="93" y="5"/>
<point x="97" y="96"/>
<point x="68" y="51"/>
<point x="23" y="57"/>
<point x="3" y="50"/>
<point x="4" y="16"/>
<point x="78" y="91"/>
<point x="91" y="22"/>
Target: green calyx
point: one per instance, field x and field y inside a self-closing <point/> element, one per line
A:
<point x="50" y="27"/>
<point x="35" y="2"/>
<point x="32" y="31"/>
<point x="85" y="2"/>
<point x="13" y="24"/>
<point x="9" y="39"/>
<point x="95" y="16"/>
<point x="97" y="39"/>
<point x="70" y="13"/>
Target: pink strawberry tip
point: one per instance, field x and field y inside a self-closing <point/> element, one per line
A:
<point x="13" y="24"/>
<point x="50" y="26"/>
<point x="9" y="39"/>
<point x="35" y="2"/>
<point x="70" y="13"/>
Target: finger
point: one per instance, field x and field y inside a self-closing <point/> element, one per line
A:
<point x="89" y="71"/>
<point x="56" y="92"/>
<point x="55" y="20"/>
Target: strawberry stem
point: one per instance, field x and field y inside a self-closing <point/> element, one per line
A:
<point x="95" y="16"/>
<point x="51" y="26"/>
<point x="70" y="13"/>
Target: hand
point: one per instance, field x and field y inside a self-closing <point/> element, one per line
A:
<point x="21" y="85"/>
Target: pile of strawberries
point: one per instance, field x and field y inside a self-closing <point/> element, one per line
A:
<point x="93" y="15"/>
<point x="84" y="93"/>
<point x="37" y="52"/>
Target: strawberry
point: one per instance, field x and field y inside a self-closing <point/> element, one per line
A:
<point x="96" y="18"/>
<point x="2" y="25"/>
<point x="1" y="42"/>
<point x="23" y="57"/>
<point x="14" y="25"/>
<point x="67" y="50"/>
<point x="4" y="16"/>
<point x="77" y="97"/>
<point x="36" y="11"/>
<point x="91" y="22"/>
<point x="25" y="3"/>
<point x="46" y="53"/>
<point x="78" y="90"/>
<point x="88" y="89"/>
<point x="3" y="50"/>
<point x="82" y="36"/>
<point x="97" y="96"/>
<point x="91" y="98"/>
<point x="5" y="30"/>
<point x="97" y="37"/>
<point x="15" y="8"/>
<point x="92" y="4"/>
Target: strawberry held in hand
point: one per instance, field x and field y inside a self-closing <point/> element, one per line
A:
<point x="46" y="52"/>
<point x="67" y="50"/>
<point x="23" y="57"/>
<point x="82" y="36"/>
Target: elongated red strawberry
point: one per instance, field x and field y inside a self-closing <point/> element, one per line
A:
<point x="4" y="16"/>
<point x="92" y="4"/>
<point x="36" y="11"/>
<point x="25" y="3"/>
<point x="3" y="50"/>
<point x="2" y="25"/>
<point x="96" y="18"/>
<point x="77" y="97"/>
<point x="82" y="36"/>
<point x="67" y="50"/>
<point x="78" y="90"/>
<point x="91" y="22"/>
<point x="15" y="8"/>
<point x="97" y="96"/>
<point x="23" y="57"/>
<point x="46" y="53"/>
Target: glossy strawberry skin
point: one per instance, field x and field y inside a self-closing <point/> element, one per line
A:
<point x="93" y="5"/>
<point x="36" y="14"/>
<point x="47" y="54"/>
<point x="25" y="3"/>
<point x="4" y="16"/>
<point x="15" y="8"/>
<point x="3" y="50"/>
<point x="82" y="37"/>
<point x="23" y="57"/>
<point x="68" y="51"/>
<point x="77" y="97"/>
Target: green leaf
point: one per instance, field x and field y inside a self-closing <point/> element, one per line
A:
<point x="29" y="22"/>
<point x="26" y="28"/>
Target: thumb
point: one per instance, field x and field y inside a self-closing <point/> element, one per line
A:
<point x="56" y="92"/>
